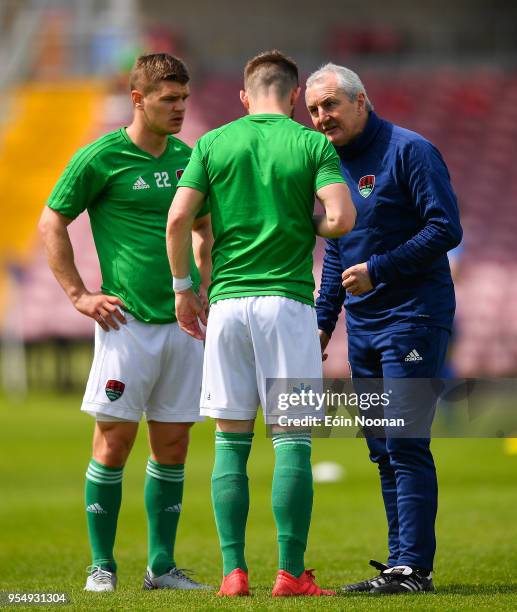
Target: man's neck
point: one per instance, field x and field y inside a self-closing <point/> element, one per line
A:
<point x="154" y="144"/>
<point x="267" y="110"/>
<point x="266" y="105"/>
<point x="361" y="126"/>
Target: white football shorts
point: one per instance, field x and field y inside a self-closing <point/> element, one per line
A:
<point x="145" y="368"/>
<point x="250" y="340"/>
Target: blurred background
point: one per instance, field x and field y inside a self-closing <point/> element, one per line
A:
<point x="445" y="69"/>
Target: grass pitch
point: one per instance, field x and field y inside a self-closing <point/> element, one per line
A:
<point x="44" y="451"/>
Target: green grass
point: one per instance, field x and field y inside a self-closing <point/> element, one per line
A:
<point x="44" y="450"/>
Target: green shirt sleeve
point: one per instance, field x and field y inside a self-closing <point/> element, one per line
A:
<point x="327" y="165"/>
<point x="196" y="175"/>
<point x="78" y="186"/>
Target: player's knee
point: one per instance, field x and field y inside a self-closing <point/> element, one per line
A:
<point x="172" y="455"/>
<point x="174" y="450"/>
<point x="177" y="453"/>
<point x="111" y="452"/>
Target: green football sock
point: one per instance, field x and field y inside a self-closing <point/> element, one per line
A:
<point x="230" y="496"/>
<point x="292" y="498"/>
<point x="163" y="493"/>
<point x="103" y="493"/>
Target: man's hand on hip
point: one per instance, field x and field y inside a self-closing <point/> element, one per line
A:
<point x="189" y="311"/>
<point x="356" y="279"/>
<point x="105" y="309"/>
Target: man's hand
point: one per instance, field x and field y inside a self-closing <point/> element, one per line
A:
<point x="189" y="311"/>
<point x="324" y="340"/>
<point x="103" y="308"/>
<point x="203" y="296"/>
<point x="356" y="279"/>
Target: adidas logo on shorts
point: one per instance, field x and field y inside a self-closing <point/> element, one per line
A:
<point x="413" y="356"/>
<point x="140" y="184"/>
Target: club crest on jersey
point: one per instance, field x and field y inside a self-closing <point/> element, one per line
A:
<point x="179" y="173"/>
<point x="366" y="185"/>
<point x="114" y="389"/>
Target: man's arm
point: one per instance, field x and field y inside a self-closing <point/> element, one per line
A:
<point x="331" y="293"/>
<point x="53" y="227"/>
<point x="429" y="184"/>
<point x="182" y="214"/>
<point x="340" y="213"/>
<point x="202" y="242"/>
<point x="430" y="188"/>
<point x="339" y="219"/>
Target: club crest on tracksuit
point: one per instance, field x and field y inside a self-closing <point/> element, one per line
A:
<point x="114" y="389"/>
<point x="366" y="185"/>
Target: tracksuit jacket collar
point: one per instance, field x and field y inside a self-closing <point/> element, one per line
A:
<point x="363" y="141"/>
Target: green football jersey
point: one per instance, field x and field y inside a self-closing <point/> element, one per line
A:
<point x="261" y="173"/>
<point x="127" y="193"/>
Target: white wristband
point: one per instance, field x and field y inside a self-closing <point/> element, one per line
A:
<point x="181" y="284"/>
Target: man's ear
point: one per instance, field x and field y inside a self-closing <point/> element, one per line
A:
<point x="243" y="95"/>
<point x="361" y="102"/>
<point x="295" y="94"/>
<point x="137" y="98"/>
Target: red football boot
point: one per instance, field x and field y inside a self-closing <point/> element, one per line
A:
<point x="287" y="585"/>
<point x="235" y="584"/>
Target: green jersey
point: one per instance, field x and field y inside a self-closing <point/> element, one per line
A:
<point x="127" y="193"/>
<point x="261" y="173"/>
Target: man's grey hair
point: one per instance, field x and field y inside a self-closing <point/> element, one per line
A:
<point x="348" y="81"/>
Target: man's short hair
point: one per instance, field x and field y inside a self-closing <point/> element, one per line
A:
<point x="348" y="81"/>
<point x="151" y="70"/>
<point x="271" y="70"/>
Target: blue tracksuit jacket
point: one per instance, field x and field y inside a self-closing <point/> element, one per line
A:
<point x="407" y="220"/>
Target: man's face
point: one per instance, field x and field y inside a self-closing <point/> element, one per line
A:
<point x="164" y="107"/>
<point x="332" y="112"/>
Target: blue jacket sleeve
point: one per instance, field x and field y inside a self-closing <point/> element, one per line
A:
<point x="427" y="178"/>
<point x="331" y="293"/>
